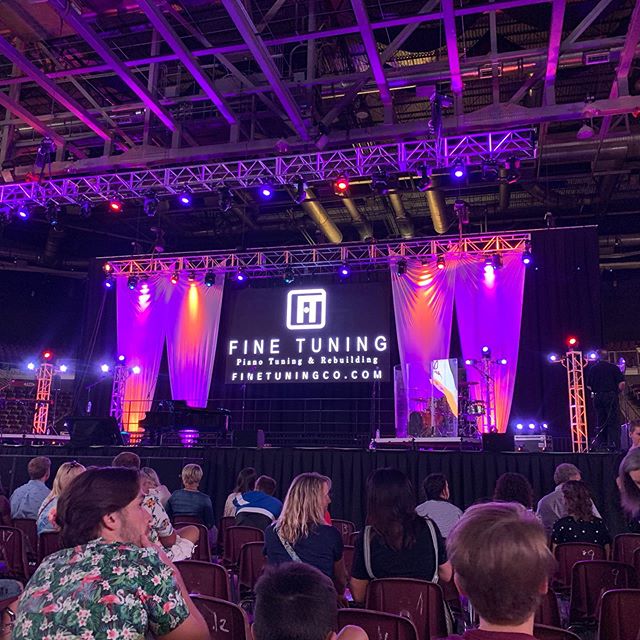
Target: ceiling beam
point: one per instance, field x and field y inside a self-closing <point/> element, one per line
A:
<point x="86" y="32"/>
<point x="157" y="19"/>
<point x="555" y="39"/>
<point x="33" y="121"/>
<point x="29" y="69"/>
<point x="247" y="30"/>
<point x="452" y="52"/>
<point x="375" y="64"/>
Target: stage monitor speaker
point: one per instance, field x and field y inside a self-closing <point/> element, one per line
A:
<point x="87" y="431"/>
<point x="497" y="442"/>
<point x="248" y="438"/>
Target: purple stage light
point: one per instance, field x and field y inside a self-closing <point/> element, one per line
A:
<point x="241" y="276"/>
<point x="266" y="191"/>
<point x="63" y="368"/>
<point x="24" y="212"/>
<point x="503" y="361"/>
<point x="545" y="425"/>
<point x="458" y="170"/>
<point x="344" y="270"/>
<point x="104" y="368"/>
<point x="108" y="281"/>
<point x="188" y="437"/>
<point x="185" y="199"/>
<point x="553" y="357"/>
<point x="135" y="370"/>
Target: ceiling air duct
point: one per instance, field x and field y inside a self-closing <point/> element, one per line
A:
<point x="319" y="215"/>
<point x="362" y="225"/>
<point x="437" y="206"/>
<point x="405" y="225"/>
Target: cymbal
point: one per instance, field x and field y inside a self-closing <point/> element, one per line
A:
<point x="467" y="384"/>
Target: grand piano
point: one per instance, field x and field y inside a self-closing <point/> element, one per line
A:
<point x="170" y="420"/>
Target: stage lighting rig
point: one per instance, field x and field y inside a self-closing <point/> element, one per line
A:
<point x="225" y="198"/>
<point x="490" y="170"/>
<point x="440" y="262"/>
<point x="289" y="276"/>
<point x="52" y="213"/>
<point x="109" y="281"/>
<point x="496" y="261"/>
<point x="401" y="267"/>
<point x="380" y="183"/>
<point x="132" y="282"/>
<point x="527" y="258"/>
<point x="241" y="276"/>
<point x="191" y="277"/>
<point x="175" y="276"/>
<point x="23" y="210"/>
<point x="344" y="270"/>
<point x="299" y="190"/>
<point x="266" y="191"/>
<point x="425" y="182"/>
<point x="186" y="198"/>
<point x="512" y="165"/>
<point x="151" y="204"/>
<point x="209" y="279"/>
<point x="115" y="204"/>
<point x="86" y="208"/>
<point x="458" y="170"/>
<point x="341" y="186"/>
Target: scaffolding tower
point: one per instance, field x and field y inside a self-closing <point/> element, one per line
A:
<point x="120" y="375"/>
<point x="574" y="363"/>
<point x="44" y="379"/>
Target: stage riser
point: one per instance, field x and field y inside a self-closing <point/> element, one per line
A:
<point x="472" y="475"/>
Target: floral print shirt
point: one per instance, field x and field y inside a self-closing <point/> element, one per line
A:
<point x="160" y="524"/>
<point x="100" y="591"/>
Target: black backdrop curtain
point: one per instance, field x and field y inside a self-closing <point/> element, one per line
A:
<point x="472" y="475"/>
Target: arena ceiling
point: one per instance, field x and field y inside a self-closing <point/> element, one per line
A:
<point x="121" y="86"/>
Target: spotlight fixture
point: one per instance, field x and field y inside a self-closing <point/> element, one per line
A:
<point x="115" y="204"/>
<point x="225" y="198"/>
<point x="532" y="426"/>
<point x="241" y="276"/>
<point x="31" y="366"/>
<point x="135" y="369"/>
<point x="553" y="357"/>
<point x="458" y="170"/>
<point x="151" y="203"/>
<point x="104" y="368"/>
<point x="512" y="165"/>
<point x="527" y="258"/>
<point x="266" y="191"/>
<point x="108" y="281"/>
<point x="185" y="198"/>
<point x="63" y="368"/>
<point x="209" y="279"/>
<point x="299" y="190"/>
<point x="502" y="361"/>
<point x="572" y="342"/>
<point x="490" y="170"/>
<point x="496" y="261"/>
<point x="486" y="352"/>
<point x="289" y="276"/>
<point x="592" y="355"/>
<point x="191" y="278"/>
<point x="469" y="362"/>
<point x="52" y="213"/>
<point x="121" y="358"/>
<point x="344" y="270"/>
<point x="544" y="425"/>
<point x="585" y="132"/>
<point x="425" y="182"/>
<point x="175" y="276"/>
<point x="23" y="211"/>
<point x="488" y="264"/>
<point x="107" y="267"/>
<point x="341" y="186"/>
<point x="440" y="263"/>
<point x="48" y="354"/>
<point x="86" y="208"/>
<point x="401" y="267"/>
<point x="519" y="426"/>
<point x="132" y="282"/>
<point x="380" y="183"/>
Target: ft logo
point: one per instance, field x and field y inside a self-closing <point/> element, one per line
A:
<point x="306" y="309"/>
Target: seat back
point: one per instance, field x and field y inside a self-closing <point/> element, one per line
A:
<point x="590" y="580"/>
<point x="624" y="546"/>
<point x="619" y="618"/>
<point x="420" y="601"/>
<point x="29" y="528"/>
<point x="182" y="520"/>
<point x="234" y="538"/>
<point x="352" y="538"/>
<point x="251" y="564"/>
<point x="636" y="561"/>
<point x="225" y="523"/>
<point x="346" y="528"/>
<point x="378" y="625"/>
<point x="203" y="548"/>
<point x="225" y="620"/>
<point x="347" y="553"/>
<point x="548" y="612"/>
<point x="205" y="578"/>
<point x="570" y="553"/>
<point x="544" y="632"/>
<point x="48" y="542"/>
<point x="13" y="552"/>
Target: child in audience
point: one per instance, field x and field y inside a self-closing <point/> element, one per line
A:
<point x="246" y="481"/>
<point x="46" y="520"/>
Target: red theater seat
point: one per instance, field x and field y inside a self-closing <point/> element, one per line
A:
<point x="205" y="578"/>
<point x="225" y="620"/>
<point x="376" y="625"/>
<point x="570" y="553"/>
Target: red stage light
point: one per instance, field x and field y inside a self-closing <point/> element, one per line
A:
<point x="341" y="185"/>
<point x="572" y="342"/>
<point x="115" y="205"/>
<point x="47" y="355"/>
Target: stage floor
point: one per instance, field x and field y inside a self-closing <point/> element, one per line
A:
<point x="472" y="474"/>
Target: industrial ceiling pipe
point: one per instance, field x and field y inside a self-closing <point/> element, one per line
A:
<point x="405" y="225"/>
<point x="504" y="190"/>
<point x="437" y="206"/>
<point x="319" y="215"/>
<point x="362" y="225"/>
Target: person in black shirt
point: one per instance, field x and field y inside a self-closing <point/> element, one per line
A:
<point x="606" y="381"/>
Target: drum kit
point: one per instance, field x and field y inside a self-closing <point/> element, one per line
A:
<point x="434" y="417"/>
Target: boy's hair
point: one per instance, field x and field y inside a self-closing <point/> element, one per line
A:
<point x="634" y="425"/>
<point x="191" y="474"/>
<point x="127" y="459"/>
<point x="294" y="601"/>
<point x="433" y="485"/>
<point x="38" y="467"/>
<point x="501" y="560"/>
<point x="265" y="484"/>
<point x="565" y="472"/>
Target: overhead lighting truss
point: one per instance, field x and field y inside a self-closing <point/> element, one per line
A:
<point x="265" y="263"/>
<point x="404" y="157"/>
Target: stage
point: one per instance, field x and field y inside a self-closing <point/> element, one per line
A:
<point x="472" y="474"/>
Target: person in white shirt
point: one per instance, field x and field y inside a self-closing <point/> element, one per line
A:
<point x="437" y="505"/>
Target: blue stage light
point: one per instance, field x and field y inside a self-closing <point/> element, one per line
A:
<point x="344" y="270"/>
<point x="104" y="368"/>
<point x="108" y="281"/>
<point x="121" y="358"/>
<point x="266" y="191"/>
<point x="519" y="426"/>
<point x="241" y="276"/>
<point x="458" y="170"/>
<point x="63" y="368"/>
<point x="209" y="279"/>
<point x="532" y="426"/>
<point x="31" y="366"/>
<point x="185" y="199"/>
<point x="289" y="276"/>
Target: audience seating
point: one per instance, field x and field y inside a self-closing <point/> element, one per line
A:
<point x="29" y="528"/>
<point x="226" y="621"/>
<point x="619" y="619"/>
<point x="234" y="538"/>
<point x="225" y="523"/>
<point x="203" y="548"/>
<point x="13" y="552"/>
<point x="205" y="578"/>
<point x="420" y="601"/>
<point x="544" y="632"/>
<point x="636" y="561"/>
<point x="48" y="542"/>
<point x="624" y="546"/>
<point x="346" y="528"/>
<point x="348" y="553"/>
<point x="570" y="553"/>
<point x="548" y="612"/>
<point x="250" y="565"/>
<point x="378" y="625"/>
<point x="179" y="521"/>
<point x="590" y="580"/>
<point x="352" y="538"/>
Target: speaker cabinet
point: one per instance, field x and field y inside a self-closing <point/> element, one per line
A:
<point x="87" y="431"/>
<point x="497" y="442"/>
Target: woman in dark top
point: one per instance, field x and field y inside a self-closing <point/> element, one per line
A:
<point x="401" y="543"/>
<point x="580" y="525"/>
<point x="514" y="487"/>
<point x="300" y="533"/>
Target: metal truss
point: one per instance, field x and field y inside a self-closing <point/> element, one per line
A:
<point x="361" y="161"/>
<point x="44" y="378"/>
<point x="574" y="363"/>
<point x="120" y="376"/>
<point x="264" y="263"/>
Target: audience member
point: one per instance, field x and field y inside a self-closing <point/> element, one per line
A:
<point x="26" y="500"/>
<point x="245" y="482"/>
<point x="300" y="533"/>
<point x="5" y="508"/>
<point x="514" y="487"/>
<point x="258" y="508"/>
<point x="629" y="484"/>
<point x="552" y="507"/>
<point x="108" y="581"/>
<point x="298" y="602"/>
<point x="150" y="476"/>
<point x="178" y="544"/>
<point x="437" y="506"/>
<point x="190" y="501"/>
<point x="396" y="541"/>
<point x="580" y="525"/>
<point x="502" y="564"/>
<point x="634" y="434"/>
<point x="46" y="520"/>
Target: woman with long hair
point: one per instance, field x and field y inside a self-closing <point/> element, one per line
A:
<point x="396" y="542"/>
<point x="514" y="487"/>
<point x="151" y="482"/>
<point x="246" y="481"/>
<point x="300" y="534"/>
<point x="46" y="520"/>
<point x="580" y="525"/>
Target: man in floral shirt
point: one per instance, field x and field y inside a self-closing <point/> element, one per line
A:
<point x="109" y="582"/>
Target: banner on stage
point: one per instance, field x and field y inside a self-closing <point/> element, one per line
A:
<point x="320" y="333"/>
